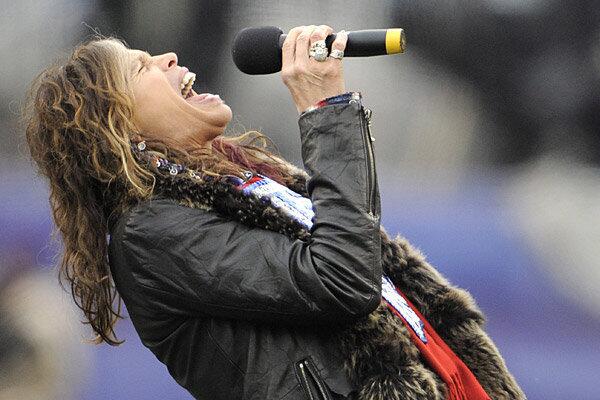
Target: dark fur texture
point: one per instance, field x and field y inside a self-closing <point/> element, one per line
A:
<point x="381" y="361"/>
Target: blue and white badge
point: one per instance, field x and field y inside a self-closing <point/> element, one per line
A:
<point x="389" y="293"/>
<point x="291" y="203"/>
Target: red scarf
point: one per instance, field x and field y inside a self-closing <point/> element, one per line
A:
<point x="460" y="381"/>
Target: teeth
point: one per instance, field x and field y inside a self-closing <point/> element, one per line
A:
<point x="186" y="83"/>
<point x="186" y="78"/>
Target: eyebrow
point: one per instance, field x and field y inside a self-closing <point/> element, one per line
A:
<point x="140" y="58"/>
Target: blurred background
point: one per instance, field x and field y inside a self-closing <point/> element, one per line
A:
<point x="487" y="147"/>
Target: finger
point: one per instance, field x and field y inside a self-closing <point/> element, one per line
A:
<point x="289" y="46"/>
<point x="320" y="33"/>
<point x="326" y="28"/>
<point x="341" y="39"/>
<point x="302" y="43"/>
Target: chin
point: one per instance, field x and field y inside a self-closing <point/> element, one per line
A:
<point x="222" y="115"/>
<point x="229" y="112"/>
<point x="219" y="119"/>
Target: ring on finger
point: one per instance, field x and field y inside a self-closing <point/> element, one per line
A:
<point x="335" y="53"/>
<point x="318" y="43"/>
<point x="318" y="50"/>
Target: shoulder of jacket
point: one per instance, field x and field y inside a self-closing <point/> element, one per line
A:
<point x="155" y="212"/>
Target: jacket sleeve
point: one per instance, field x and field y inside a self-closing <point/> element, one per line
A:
<point x="193" y="262"/>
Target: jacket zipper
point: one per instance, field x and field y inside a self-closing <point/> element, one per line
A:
<point x="368" y="140"/>
<point x="308" y="370"/>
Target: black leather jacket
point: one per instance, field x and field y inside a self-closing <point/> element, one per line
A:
<point x="245" y="313"/>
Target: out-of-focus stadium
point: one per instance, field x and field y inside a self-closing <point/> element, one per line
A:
<point x="487" y="148"/>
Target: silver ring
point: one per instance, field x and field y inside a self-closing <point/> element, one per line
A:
<point x="335" y="53"/>
<point x="318" y="43"/>
<point x="318" y="50"/>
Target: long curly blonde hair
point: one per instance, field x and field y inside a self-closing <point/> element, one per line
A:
<point x="79" y="129"/>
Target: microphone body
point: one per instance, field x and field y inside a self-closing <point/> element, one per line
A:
<point x="367" y="43"/>
<point x="257" y="50"/>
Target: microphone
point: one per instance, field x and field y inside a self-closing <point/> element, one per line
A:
<point x="257" y="50"/>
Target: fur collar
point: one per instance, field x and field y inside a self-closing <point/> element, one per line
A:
<point x="380" y="359"/>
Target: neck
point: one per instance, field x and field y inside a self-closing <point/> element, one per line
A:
<point x="195" y="143"/>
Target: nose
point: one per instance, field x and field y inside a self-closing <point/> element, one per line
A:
<point x="166" y="61"/>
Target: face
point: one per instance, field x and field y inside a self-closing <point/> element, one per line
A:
<point x="163" y="109"/>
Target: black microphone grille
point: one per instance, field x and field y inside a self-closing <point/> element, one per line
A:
<point x="255" y="50"/>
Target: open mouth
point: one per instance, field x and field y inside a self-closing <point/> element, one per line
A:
<point x="186" y="84"/>
<point x="188" y="93"/>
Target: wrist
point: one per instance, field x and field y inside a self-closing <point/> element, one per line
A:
<point x="343" y="98"/>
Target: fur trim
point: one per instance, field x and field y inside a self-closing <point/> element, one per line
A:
<point x="380" y="359"/>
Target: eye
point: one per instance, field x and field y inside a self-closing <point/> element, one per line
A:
<point x="144" y="63"/>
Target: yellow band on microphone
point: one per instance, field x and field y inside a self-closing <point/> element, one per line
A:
<point x="395" y="42"/>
